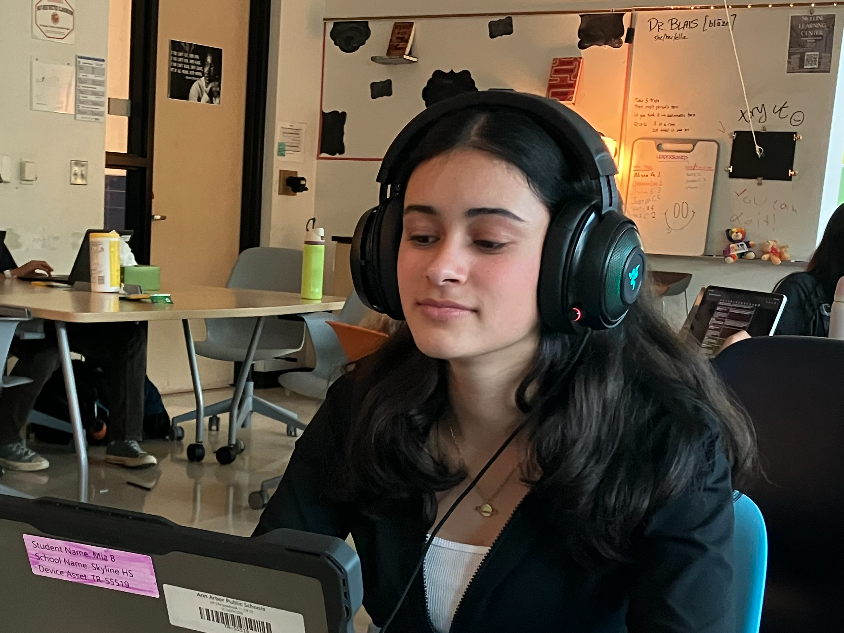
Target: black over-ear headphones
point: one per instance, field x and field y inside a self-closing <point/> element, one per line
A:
<point x="593" y="264"/>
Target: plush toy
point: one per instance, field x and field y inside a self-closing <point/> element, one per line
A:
<point x="775" y="253"/>
<point x="739" y="247"/>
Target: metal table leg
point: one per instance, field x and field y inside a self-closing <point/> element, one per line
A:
<point x="196" y="452"/>
<point x="73" y="407"/>
<point x="235" y="419"/>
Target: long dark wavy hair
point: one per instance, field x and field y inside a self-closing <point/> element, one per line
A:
<point x="827" y="264"/>
<point x="595" y="439"/>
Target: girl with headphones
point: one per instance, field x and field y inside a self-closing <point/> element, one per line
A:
<point x="534" y="449"/>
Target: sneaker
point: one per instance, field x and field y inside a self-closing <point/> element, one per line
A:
<point x="17" y="456"/>
<point x="129" y="454"/>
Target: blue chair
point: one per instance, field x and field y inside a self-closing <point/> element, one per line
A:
<point x="750" y="564"/>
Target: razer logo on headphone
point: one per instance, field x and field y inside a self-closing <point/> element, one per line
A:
<point x="633" y="275"/>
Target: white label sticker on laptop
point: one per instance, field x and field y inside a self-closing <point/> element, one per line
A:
<point x="201" y="611"/>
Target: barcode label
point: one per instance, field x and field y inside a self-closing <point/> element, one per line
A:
<point x="812" y="60"/>
<point x="210" y="613"/>
<point x="234" y="622"/>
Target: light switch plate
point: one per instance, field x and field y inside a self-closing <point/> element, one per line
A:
<point x="29" y="173"/>
<point x="5" y="169"/>
<point x="79" y="172"/>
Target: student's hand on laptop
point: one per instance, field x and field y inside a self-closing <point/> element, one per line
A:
<point x="741" y="335"/>
<point x="34" y="267"/>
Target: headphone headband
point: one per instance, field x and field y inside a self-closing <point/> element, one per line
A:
<point x="582" y="145"/>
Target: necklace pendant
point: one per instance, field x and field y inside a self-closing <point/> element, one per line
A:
<point x="486" y="510"/>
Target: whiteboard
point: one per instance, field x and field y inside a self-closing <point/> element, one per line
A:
<point x="669" y="193"/>
<point x="684" y="83"/>
<point x="521" y="61"/>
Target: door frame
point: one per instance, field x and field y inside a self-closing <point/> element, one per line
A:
<point x="138" y="159"/>
<point x="255" y="123"/>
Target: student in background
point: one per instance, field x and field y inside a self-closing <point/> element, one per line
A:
<point x="119" y="349"/>
<point x="612" y="508"/>
<point x="810" y="294"/>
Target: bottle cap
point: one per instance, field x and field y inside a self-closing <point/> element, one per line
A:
<point x="313" y="234"/>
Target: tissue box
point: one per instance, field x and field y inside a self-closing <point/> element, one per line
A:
<point x="147" y="277"/>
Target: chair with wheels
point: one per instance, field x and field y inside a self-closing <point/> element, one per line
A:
<point x="330" y="357"/>
<point x="791" y="386"/>
<point x="228" y="339"/>
<point x="348" y="344"/>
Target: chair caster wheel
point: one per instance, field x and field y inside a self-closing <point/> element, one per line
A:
<point x="226" y="454"/>
<point x="241" y="446"/>
<point x="259" y="499"/>
<point x="176" y="433"/>
<point x="292" y="431"/>
<point x="214" y="423"/>
<point x="196" y="453"/>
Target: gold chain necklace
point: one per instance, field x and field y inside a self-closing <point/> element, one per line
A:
<point x="486" y="509"/>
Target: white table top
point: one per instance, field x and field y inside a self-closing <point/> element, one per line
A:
<point x="198" y="302"/>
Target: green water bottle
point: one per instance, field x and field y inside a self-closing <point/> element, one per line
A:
<point x="313" y="261"/>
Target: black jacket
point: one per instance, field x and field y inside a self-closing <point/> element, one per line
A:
<point x="679" y="581"/>
<point x="806" y="311"/>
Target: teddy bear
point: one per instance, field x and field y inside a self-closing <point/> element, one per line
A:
<point x="739" y="245"/>
<point x="775" y="253"/>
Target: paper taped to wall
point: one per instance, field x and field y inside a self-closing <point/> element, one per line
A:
<point x="52" y="87"/>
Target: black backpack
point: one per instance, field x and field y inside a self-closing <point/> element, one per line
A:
<point x="93" y="407"/>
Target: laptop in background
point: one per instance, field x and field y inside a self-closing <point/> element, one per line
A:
<point x="71" y="566"/>
<point x="718" y="313"/>
<point x="81" y="270"/>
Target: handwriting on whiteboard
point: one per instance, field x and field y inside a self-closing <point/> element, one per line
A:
<point x="783" y="112"/>
<point x="675" y="29"/>
<point x="657" y="116"/>
<point x="679" y="217"/>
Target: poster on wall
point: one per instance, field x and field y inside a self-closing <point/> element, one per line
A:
<point x="196" y="72"/>
<point x="810" y="43"/>
<point x="52" y="87"/>
<point x="291" y="142"/>
<point x="54" y="20"/>
<point x="90" y="89"/>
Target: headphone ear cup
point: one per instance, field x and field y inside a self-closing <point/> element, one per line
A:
<point x="360" y="260"/>
<point x="374" y="255"/>
<point x="612" y="273"/>
<point x="388" y="242"/>
<point x="592" y="268"/>
<point x="557" y="299"/>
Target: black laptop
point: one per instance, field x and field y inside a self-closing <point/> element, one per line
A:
<point x="81" y="270"/>
<point x="69" y="566"/>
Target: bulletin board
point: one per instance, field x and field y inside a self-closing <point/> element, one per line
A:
<point x="684" y="83"/>
<point x="481" y="51"/>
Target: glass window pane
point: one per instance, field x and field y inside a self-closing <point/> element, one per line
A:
<point x="119" y="39"/>
<point x="115" y="200"/>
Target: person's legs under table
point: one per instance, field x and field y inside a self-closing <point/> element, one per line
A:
<point x="119" y="350"/>
<point x="36" y="360"/>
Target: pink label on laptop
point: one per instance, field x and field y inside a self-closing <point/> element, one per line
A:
<point x="91" y="565"/>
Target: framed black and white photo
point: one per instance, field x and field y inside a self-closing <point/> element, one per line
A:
<point x="196" y="72"/>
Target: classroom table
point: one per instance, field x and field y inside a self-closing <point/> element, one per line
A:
<point x="64" y="305"/>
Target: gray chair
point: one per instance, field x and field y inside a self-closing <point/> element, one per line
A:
<point x="263" y="268"/>
<point x="329" y="355"/>
<point x="330" y="360"/>
<point x="10" y="318"/>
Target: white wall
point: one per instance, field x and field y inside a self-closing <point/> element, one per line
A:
<point x="47" y="219"/>
<point x="293" y="95"/>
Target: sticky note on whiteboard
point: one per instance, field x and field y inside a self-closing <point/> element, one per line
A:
<point x="564" y="79"/>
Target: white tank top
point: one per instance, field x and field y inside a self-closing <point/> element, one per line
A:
<point x="449" y="568"/>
